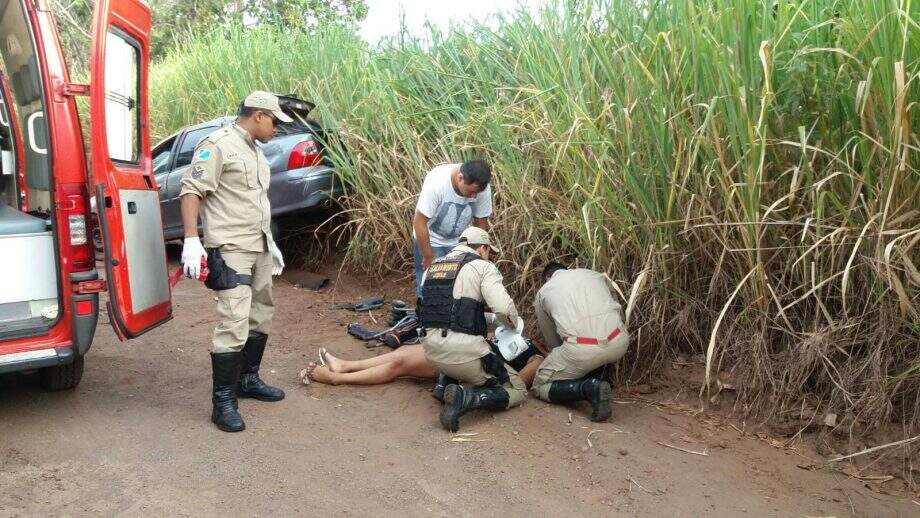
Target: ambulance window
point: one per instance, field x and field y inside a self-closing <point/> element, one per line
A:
<point x="7" y="151"/>
<point x="122" y="94"/>
<point x="19" y="65"/>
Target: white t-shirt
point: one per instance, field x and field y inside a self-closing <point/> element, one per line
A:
<point x="449" y="213"/>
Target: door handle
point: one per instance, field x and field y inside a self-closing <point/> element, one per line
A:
<point x="30" y="127"/>
<point x="132" y="207"/>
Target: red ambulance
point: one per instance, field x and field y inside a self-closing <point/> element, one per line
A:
<point x="51" y="165"/>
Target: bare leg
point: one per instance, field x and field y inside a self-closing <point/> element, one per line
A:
<point x="530" y="370"/>
<point x="411" y="363"/>
<point x="342" y="366"/>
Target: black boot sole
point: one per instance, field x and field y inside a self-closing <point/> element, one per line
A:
<point x="450" y="412"/>
<point x="225" y="428"/>
<point x="259" y="397"/>
<point x="600" y="410"/>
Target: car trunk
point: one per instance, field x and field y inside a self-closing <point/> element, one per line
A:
<point x="30" y="297"/>
<point x="299" y="110"/>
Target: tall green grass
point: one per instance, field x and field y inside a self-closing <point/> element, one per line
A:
<point x="747" y="172"/>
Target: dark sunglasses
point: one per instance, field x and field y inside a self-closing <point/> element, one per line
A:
<point x="275" y="121"/>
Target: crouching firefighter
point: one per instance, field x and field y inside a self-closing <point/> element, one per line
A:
<point x="581" y="321"/>
<point x="455" y="290"/>
<point x="227" y="183"/>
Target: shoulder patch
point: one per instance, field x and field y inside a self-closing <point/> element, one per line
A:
<point x="197" y="172"/>
<point x="204" y="154"/>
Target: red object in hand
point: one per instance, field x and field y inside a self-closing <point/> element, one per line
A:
<point x="203" y="274"/>
<point x="175" y="278"/>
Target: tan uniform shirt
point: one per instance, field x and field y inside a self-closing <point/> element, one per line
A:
<point x="479" y="280"/>
<point x="231" y="176"/>
<point x="576" y="303"/>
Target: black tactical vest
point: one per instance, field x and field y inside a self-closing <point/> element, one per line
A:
<point x="438" y="309"/>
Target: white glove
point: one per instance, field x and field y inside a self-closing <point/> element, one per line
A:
<point x="277" y="258"/>
<point x="192" y="252"/>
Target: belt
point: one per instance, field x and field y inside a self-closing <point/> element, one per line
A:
<point x="581" y="340"/>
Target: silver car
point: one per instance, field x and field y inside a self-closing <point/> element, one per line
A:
<point x="303" y="179"/>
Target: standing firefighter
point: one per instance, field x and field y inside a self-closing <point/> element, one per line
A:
<point x="227" y="182"/>
<point x="455" y="290"/>
<point x="581" y="321"/>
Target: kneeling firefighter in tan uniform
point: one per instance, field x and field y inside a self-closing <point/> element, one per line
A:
<point x="227" y="182"/>
<point x="455" y="290"/>
<point x="581" y="321"/>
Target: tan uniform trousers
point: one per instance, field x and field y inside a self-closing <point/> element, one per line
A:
<point x="244" y="308"/>
<point x="572" y="361"/>
<point x="465" y="363"/>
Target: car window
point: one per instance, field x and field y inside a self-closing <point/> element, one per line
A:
<point x="192" y="138"/>
<point x="162" y="156"/>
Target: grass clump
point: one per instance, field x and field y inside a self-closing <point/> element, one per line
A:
<point x="754" y="163"/>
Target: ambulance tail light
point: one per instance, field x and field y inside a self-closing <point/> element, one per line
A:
<point x="305" y="154"/>
<point x="76" y="242"/>
<point x="77" y="226"/>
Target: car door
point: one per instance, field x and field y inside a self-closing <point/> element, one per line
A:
<point x="127" y="197"/>
<point x="163" y="156"/>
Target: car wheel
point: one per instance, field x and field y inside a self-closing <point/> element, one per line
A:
<point x="62" y="377"/>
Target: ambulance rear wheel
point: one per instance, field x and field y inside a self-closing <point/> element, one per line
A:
<point x="62" y="377"/>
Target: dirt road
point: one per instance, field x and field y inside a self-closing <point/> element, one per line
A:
<point x="135" y="439"/>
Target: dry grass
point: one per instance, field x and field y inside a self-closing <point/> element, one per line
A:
<point x="758" y="164"/>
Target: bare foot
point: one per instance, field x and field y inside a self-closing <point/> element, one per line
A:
<point x="305" y="374"/>
<point x="334" y="364"/>
<point x="321" y="374"/>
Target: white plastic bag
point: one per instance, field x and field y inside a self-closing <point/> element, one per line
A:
<point x="511" y="342"/>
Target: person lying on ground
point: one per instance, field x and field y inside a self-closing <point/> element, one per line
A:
<point x="582" y="324"/>
<point x="406" y="361"/>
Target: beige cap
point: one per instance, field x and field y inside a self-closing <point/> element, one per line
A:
<point x="475" y="236"/>
<point x="266" y="101"/>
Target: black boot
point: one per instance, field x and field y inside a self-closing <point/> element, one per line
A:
<point x="443" y="381"/>
<point x="226" y="371"/>
<point x="251" y="385"/>
<point x="458" y="401"/>
<point x="595" y="391"/>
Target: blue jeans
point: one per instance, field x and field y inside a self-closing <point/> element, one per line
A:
<point x="439" y="251"/>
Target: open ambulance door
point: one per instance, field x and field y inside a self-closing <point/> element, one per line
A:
<point x="127" y="200"/>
